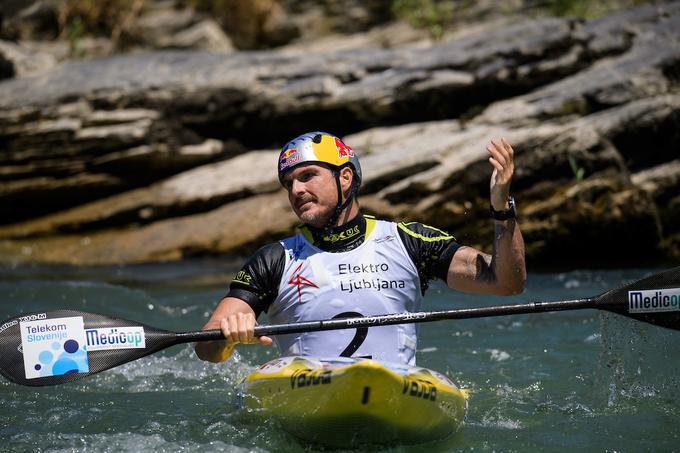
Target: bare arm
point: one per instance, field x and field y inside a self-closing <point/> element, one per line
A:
<point x="504" y="271"/>
<point x="236" y="319"/>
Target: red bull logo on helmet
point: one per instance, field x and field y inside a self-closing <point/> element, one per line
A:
<point x="288" y="158"/>
<point x="344" y="151"/>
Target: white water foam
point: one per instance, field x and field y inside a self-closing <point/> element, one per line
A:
<point x="137" y="443"/>
<point x="498" y="355"/>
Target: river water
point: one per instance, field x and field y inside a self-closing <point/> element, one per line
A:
<point x="582" y="380"/>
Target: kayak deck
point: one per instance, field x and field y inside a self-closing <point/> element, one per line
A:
<point x="343" y="402"/>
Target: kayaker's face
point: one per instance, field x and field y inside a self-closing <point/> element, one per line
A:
<point x="312" y="193"/>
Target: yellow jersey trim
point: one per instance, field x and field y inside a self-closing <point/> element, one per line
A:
<point x="370" y="225"/>
<point x="307" y="234"/>
<point x="444" y="237"/>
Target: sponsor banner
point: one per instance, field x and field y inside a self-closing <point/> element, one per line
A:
<point x="53" y="347"/>
<point x="654" y="300"/>
<point x="115" y="338"/>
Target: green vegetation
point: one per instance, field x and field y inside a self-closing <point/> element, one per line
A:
<point x="110" y="18"/>
<point x="432" y="15"/>
<point x="587" y="9"/>
<point x="243" y="20"/>
<point x="75" y="32"/>
<point x="438" y="16"/>
<point x="246" y="21"/>
<point x="579" y="172"/>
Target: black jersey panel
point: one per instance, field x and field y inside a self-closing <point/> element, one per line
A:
<point x="430" y="249"/>
<point x="257" y="283"/>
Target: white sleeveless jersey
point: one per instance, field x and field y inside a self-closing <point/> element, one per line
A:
<point x="376" y="278"/>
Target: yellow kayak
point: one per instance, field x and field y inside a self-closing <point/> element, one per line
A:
<point x="344" y="402"/>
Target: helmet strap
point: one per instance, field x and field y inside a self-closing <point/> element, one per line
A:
<point x="340" y="206"/>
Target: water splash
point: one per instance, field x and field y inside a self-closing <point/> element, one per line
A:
<point x="638" y="362"/>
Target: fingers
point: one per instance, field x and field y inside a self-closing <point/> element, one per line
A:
<point x="501" y="157"/>
<point x="501" y="152"/>
<point x="265" y="341"/>
<point x="497" y="153"/>
<point x="496" y="165"/>
<point x="239" y="328"/>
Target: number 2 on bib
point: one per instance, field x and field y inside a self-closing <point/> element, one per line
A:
<point x="359" y="336"/>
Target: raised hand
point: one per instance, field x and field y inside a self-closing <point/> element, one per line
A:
<point x="501" y="158"/>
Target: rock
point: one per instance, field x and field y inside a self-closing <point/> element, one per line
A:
<point x="598" y="218"/>
<point x="638" y="73"/>
<point x="661" y="183"/>
<point x="123" y="149"/>
<point x="645" y="132"/>
<point x="453" y="192"/>
<point x="206" y="35"/>
<point x="233" y="228"/>
<point x="53" y="194"/>
<point x="390" y="35"/>
<point x="315" y="20"/>
<point x="591" y="108"/>
<point x="163" y="26"/>
<point x="408" y="164"/>
<point x="6" y="68"/>
<point x="255" y="24"/>
<point x="191" y="192"/>
<point x="28" y="19"/>
<point x="162" y="19"/>
<point x="23" y="61"/>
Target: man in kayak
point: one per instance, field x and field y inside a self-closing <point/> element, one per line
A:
<point x="346" y="264"/>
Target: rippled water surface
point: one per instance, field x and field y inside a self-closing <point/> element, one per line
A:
<point x="582" y="380"/>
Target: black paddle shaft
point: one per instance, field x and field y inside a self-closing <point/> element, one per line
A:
<point x="399" y="318"/>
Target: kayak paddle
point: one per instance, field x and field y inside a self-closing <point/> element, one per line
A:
<point x="54" y="347"/>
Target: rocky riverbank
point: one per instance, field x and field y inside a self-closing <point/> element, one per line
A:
<point x="167" y="154"/>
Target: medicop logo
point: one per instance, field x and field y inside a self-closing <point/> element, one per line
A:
<point x="53" y="347"/>
<point x="115" y="338"/>
<point x="654" y="300"/>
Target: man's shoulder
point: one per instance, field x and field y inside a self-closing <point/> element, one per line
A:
<point x="281" y="243"/>
<point x="300" y="234"/>
<point x="270" y="246"/>
<point x="268" y="252"/>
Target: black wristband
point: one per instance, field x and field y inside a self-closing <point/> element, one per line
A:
<point x="510" y="213"/>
